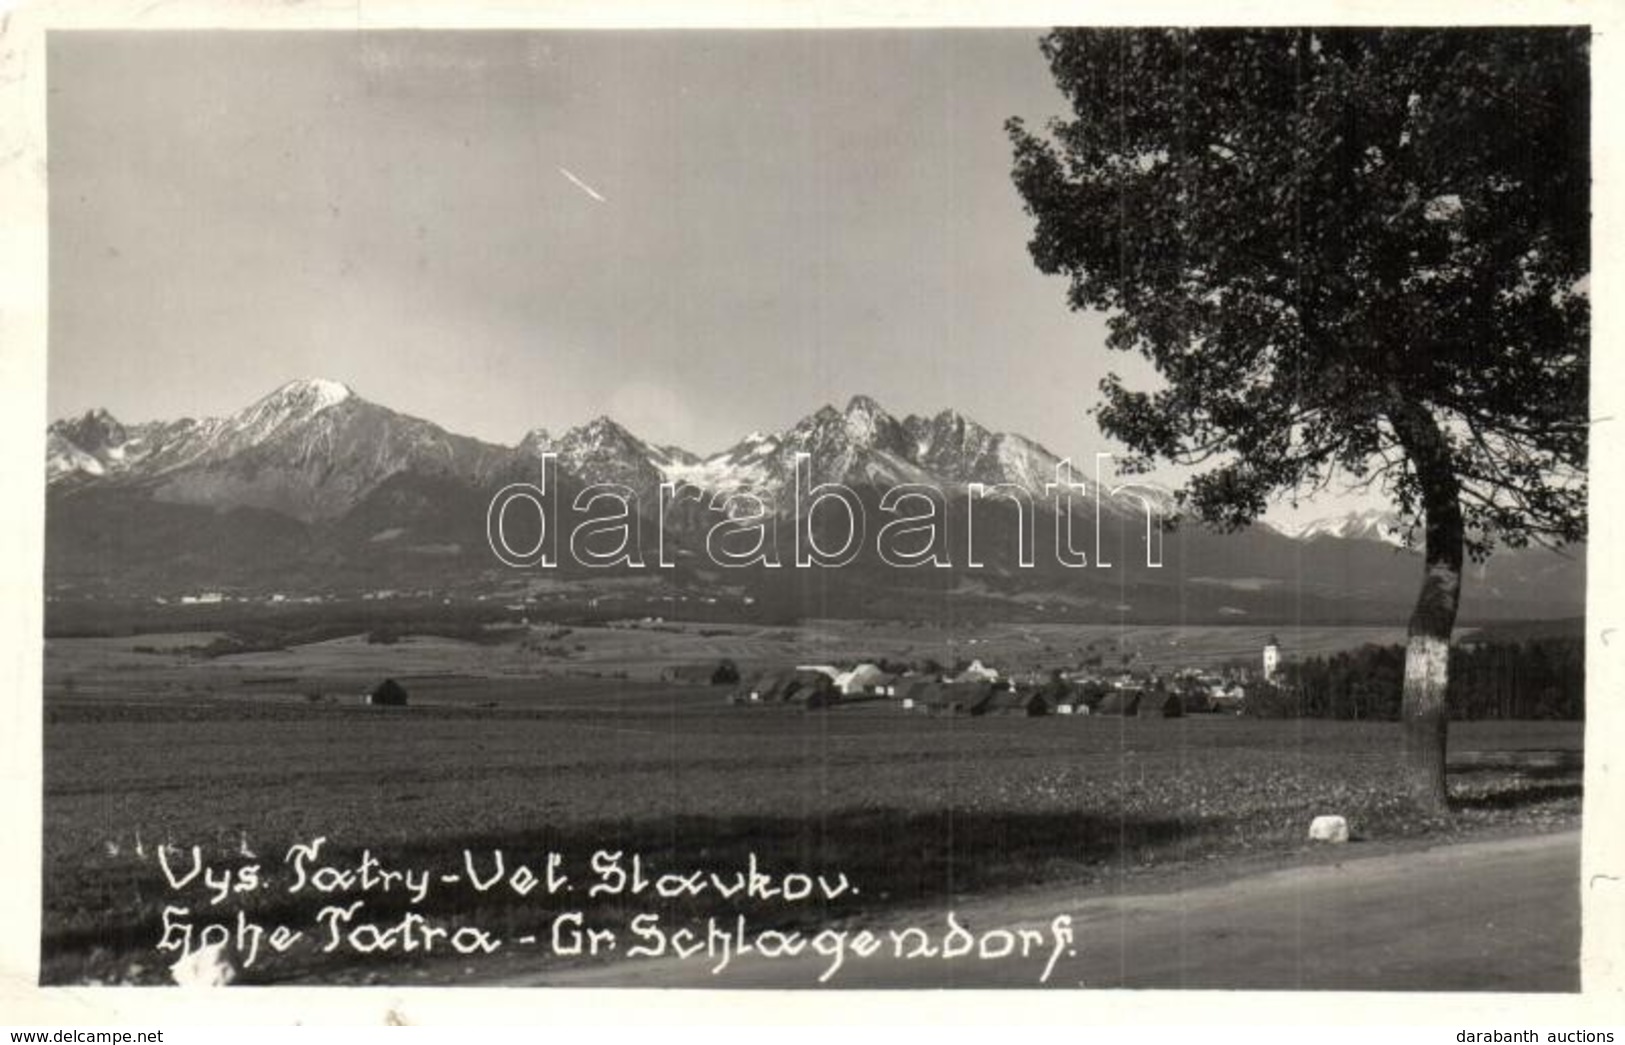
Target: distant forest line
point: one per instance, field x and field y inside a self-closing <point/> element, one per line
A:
<point x="1533" y="678"/>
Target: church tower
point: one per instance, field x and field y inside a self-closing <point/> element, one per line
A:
<point x="1272" y="658"/>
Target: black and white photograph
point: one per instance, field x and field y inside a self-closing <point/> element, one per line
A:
<point x="1039" y="507"/>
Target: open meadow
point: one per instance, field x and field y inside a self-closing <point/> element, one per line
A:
<point x="534" y="746"/>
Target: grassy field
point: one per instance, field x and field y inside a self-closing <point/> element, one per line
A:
<point x="531" y="753"/>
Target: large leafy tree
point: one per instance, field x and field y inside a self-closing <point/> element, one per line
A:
<point x="1352" y="255"/>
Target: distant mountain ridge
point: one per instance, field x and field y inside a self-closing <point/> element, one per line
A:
<point x="1372" y="524"/>
<point x="315" y="486"/>
<point x="313" y="448"/>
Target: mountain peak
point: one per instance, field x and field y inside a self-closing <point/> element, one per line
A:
<point x="603" y="423"/>
<point x="318" y="392"/>
<point x="294" y="404"/>
<point x="91" y="430"/>
<point x="866" y="422"/>
<point x="1369" y="524"/>
<point x="604" y="433"/>
<point x="864" y="405"/>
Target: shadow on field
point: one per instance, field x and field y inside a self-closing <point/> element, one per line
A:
<point x="1536" y="772"/>
<point x="1518" y="797"/>
<point x="889" y="858"/>
<point x="1532" y="763"/>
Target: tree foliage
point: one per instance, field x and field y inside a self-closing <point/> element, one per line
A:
<point x="1331" y="244"/>
<point x="1540" y="678"/>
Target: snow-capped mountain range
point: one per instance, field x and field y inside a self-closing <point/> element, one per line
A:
<point x="1371" y="524"/>
<point x="312" y="448"/>
<point x="315" y="488"/>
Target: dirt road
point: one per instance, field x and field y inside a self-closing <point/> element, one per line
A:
<point x="1499" y="915"/>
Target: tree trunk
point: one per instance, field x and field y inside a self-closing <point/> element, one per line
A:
<point x="1425" y="710"/>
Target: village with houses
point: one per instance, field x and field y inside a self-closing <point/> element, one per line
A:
<point x="976" y="688"/>
<point x="972" y="688"/>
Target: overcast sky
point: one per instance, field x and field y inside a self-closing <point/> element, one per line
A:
<point x="697" y="233"/>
